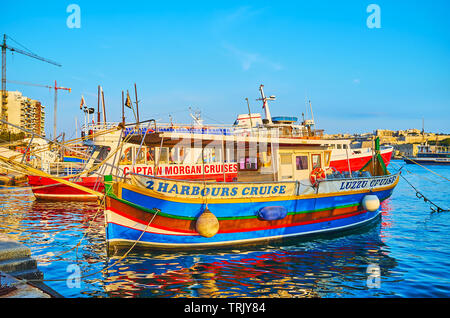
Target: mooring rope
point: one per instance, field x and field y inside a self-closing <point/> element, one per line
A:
<point x="434" y="207"/>
<point x="413" y="161"/>
<point x="425" y="199"/>
<point x="105" y="268"/>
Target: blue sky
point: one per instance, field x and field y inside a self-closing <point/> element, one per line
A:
<point x="211" y="55"/>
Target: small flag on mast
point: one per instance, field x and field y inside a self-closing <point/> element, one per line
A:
<point x="128" y="101"/>
<point x="82" y="102"/>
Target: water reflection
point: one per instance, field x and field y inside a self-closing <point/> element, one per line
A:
<point x="317" y="268"/>
<point x="320" y="267"/>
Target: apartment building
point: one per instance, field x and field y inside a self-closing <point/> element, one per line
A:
<point x="24" y="112"/>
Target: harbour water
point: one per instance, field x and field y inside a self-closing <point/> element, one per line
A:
<point x="405" y="254"/>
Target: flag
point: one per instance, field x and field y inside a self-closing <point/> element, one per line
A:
<point x="82" y="102"/>
<point x="128" y="101"/>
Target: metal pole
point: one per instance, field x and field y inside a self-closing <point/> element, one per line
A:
<point x="123" y="111"/>
<point x="348" y="161"/>
<point x="98" y="105"/>
<point x="54" y="112"/>
<point x="104" y="107"/>
<point x="249" y="114"/>
<point x="137" y="106"/>
<point x="3" y="105"/>
<point x="223" y="159"/>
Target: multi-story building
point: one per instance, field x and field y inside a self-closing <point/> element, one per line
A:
<point x="24" y="112"/>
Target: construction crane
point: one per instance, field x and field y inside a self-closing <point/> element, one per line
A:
<point x="56" y="88"/>
<point x="56" y="102"/>
<point x="4" y="92"/>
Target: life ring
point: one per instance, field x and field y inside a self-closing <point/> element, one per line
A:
<point x="317" y="175"/>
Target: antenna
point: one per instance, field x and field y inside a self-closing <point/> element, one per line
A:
<point x="312" y="115"/>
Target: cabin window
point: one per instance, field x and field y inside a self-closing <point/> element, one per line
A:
<point x="301" y="162"/>
<point x="163" y="155"/>
<point x="150" y="155"/>
<point x="126" y="157"/>
<point x="265" y="159"/>
<point x="248" y="163"/>
<point x="285" y="159"/>
<point x="327" y="157"/>
<point x="315" y="160"/>
<point x="339" y="146"/>
<point x="140" y="156"/>
<point x="103" y="153"/>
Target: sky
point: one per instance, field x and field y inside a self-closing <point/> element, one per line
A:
<point x="211" y="55"/>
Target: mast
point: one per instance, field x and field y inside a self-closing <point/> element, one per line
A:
<point x="264" y="99"/>
<point x="137" y="106"/>
<point x="423" y="131"/>
<point x="123" y="111"/>
<point x="98" y="105"/>
<point x="312" y="116"/>
<point x="249" y="113"/>
<point x="104" y="107"/>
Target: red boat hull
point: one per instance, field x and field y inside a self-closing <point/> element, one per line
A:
<point x="46" y="189"/>
<point x="356" y="162"/>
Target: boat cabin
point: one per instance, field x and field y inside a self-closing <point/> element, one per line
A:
<point x="247" y="158"/>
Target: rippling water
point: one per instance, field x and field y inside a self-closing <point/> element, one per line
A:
<point x="410" y="247"/>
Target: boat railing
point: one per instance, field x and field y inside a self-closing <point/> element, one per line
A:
<point x="61" y="169"/>
<point x="227" y="130"/>
<point x="281" y="131"/>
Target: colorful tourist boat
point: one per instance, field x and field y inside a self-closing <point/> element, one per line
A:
<point x="284" y="190"/>
<point x="185" y="163"/>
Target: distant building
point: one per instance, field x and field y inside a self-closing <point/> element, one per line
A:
<point x="24" y="112"/>
<point x="384" y="133"/>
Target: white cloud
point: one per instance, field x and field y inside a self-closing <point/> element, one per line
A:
<point x="248" y="59"/>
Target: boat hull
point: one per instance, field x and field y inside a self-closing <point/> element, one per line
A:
<point x="357" y="161"/>
<point x="428" y="161"/>
<point x="151" y="220"/>
<point x="46" y="189"/>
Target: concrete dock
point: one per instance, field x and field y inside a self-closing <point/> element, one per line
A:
<point x="16" y="266"/>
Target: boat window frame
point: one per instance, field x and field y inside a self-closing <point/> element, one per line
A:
<point x="296" y="162"/>
<point x="312" y="160"/>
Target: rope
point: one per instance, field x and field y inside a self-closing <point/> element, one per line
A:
<point x="101" y="204"/>
<point x="107" y="267"/>
<point x="425" y="199"/>
<point x="425" y="168"/>
<point x="435" y="208"/>
<point x="62" y="180"/>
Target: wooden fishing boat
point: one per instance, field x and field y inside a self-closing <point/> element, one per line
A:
<point x="47" y="189"/>
<point x="292" y="194"/>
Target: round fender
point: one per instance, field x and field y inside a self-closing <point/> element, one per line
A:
<point x="371" y="202"/>
<point x="207" y="225"/>
<point x="270" y="213"/>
